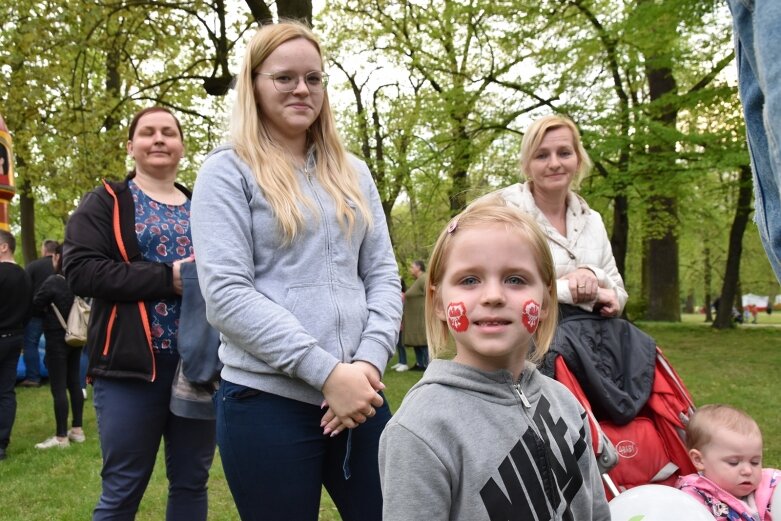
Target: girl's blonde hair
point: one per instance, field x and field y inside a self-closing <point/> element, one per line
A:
<point x="486" y="211"/>
<point x="271" y="163"/>
<point x="709" y="419"/>
<point x="536" y="133"/>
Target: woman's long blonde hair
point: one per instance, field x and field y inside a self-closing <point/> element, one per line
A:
<point x="272" y="164"/>
<point x="536" y="133"/>
<point x="487" y="211"/>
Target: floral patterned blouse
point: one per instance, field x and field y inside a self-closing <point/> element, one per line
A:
<point x="163" y="232"/>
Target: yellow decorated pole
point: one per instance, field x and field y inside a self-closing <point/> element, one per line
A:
<point x="7" y="189"/>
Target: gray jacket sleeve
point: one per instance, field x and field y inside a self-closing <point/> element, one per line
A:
<point x="379" y="272"/>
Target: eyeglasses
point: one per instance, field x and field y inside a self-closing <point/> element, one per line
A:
<point x="284" y="81"/>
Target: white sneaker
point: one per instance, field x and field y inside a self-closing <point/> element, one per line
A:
<point x="401" y="368"/>
<point x="76" y="437"/>
<point x="52" y="442"/>
<point x="395" y="366"/>
<point x="84" y="392"/>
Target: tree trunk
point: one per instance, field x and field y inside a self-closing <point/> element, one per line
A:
<point x="619" y="236"/>
<point x="708" y="281"/>
<point x="27" y="220"/>
<point x="729" y="289"/>
<point x="662" y="288"/>
<point x="260" y="11"/>
<point x="300" y="10"/>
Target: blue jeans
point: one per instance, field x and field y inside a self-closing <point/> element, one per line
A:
<point x="757" y="28"/>
<point x="276" y="459"/>
<point x="421" y="356"/>
<point x="133" y="417"/>
<point x="401" y="349"/>
<point x="10" y="346"/>
<point x="32" y="360"/>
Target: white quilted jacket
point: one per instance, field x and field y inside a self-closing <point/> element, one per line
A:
<point x="585" y="246"/>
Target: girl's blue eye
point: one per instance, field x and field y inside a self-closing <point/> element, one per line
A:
<point x="515" y="280"/>
<point x="469" y="281"/>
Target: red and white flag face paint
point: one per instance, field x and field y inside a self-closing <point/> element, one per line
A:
<point x="456" y="316"/>
<point x="531" y="315"/>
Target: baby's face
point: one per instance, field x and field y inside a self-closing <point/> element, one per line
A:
<point x="733" y="461"/>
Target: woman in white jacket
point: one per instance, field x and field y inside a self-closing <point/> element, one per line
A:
<point x="553" y="161"/>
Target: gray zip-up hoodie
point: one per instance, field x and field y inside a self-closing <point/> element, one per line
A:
<point x="288" y="314"/>
<point x="470" y="445"/>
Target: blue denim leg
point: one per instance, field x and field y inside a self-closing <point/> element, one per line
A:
<point x="133" y="416"/>
<point x="276" y="459"/>
<point x="83" y="364"/>
<point x="9" y="357"/>
<point x="757" y="28"/>
<point x="401" y="349"/>
<point x="421" y="356"/>
<point x="32" y="337"/>
<point x="358" y="498"/>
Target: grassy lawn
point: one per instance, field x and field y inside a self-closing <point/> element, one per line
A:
<point x="740" y="367"/>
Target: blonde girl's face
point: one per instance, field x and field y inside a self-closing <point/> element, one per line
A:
<point x="289" y="115"/>
<point x="732" y="460"/>
<point x="491" y="296"/>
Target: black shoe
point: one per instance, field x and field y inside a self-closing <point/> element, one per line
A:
<point x="416" y="367"/>
<point x="2" y="454"/>
<point x="29" y="383"/>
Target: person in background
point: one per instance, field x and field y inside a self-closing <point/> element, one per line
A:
<point x="725" y="445"/>
<point x="485" y="436"/>
<point x="298" y="273"/>
<point x="124" y="247"/>
<point x="62" y="360"/>
<point x="15" y="307"/>
<point x="414" y="317"/>
<point x="553" y="161"/>
<point x="757" y="29"/>
<point x="38" y="270"/>
<point x="400" y="349"/>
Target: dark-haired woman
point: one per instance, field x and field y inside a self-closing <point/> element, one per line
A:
<point x="62" y="360"/>
<point x="123" y="247"/>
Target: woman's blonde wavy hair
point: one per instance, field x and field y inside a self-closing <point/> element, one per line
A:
<point x="272" y="164"/>
<point x="536" y="133"/>
<point x="486" y="211"/>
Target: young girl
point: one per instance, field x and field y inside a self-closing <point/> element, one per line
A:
<point x="486" y="436"/>
<point x="725" y="445"/>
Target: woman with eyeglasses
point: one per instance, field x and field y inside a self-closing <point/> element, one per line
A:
<point x="297" y="270"/>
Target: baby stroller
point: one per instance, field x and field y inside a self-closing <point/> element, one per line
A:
<point x="637" y="405"/>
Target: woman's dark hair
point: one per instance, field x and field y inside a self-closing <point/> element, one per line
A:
<point x="149" y="110"/>
<point x="420" y="264"/>
<point x="58" y="265"/>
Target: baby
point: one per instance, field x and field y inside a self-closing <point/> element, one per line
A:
<point x="725" y="445"/>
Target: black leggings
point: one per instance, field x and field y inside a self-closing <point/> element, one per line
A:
<point x="63" y="363"/>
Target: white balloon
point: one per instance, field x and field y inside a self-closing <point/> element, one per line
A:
<point x="657" y="503"/>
